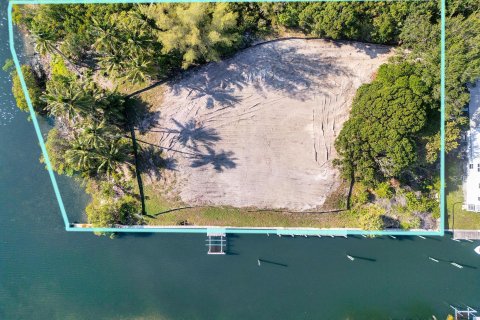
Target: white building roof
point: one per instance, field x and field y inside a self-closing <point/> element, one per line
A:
<point x="471" y="186"/>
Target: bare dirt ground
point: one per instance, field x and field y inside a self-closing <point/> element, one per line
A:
<point x="258" y="129"/>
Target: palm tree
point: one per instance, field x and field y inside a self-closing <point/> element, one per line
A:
<point x="68" y="100"/>
<point x="107" y="155"/>
<point x="94" y="133"/>
<point x="106" y="35"/>
<point x="109" y="105"/>
<point x="111" y="63"/>
<point x="81" y="158"/>
<point x="138" y="69"/>
<point x="113" y="155"/>
<point x="46" y="42"/>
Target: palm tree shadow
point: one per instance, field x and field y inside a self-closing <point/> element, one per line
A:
<point x="192" y="134"/>
<point x="219" y="160"/>
<point x="141" y="117"/>
<point x="286" y="70"/>
<point x="153" y="161"/>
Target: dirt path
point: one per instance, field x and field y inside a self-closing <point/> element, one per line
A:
<point x="259" y="129"/>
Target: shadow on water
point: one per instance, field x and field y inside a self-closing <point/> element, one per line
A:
<point x="364" y="258"/>
<point x="464" y="265"/>
<point x="438" y="239"/>
<point x="126" y="235"/>
<point x="231" y="238"/>
<point x="459" y="263"/>
<point x="273" y="263"/>
<point x="405" y="238"/>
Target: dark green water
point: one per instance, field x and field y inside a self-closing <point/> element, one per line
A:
<point x="47" y="273"/>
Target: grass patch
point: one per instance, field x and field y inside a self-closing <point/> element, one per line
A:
<point x="155" y="203"/>
<point x="457" y="218"/>
<point x="244" y="217"/>
<point x="165" y="212"/>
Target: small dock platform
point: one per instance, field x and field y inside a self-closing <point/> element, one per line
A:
<point x="466" y="234"/>
<point x="467" y="313"/>
<point x="216" y="243"/>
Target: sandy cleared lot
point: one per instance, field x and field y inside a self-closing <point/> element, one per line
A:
<point x="258" y="129"/>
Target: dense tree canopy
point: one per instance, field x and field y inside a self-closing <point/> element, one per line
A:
<point x="34" y="89"/>
<point x="198" y="31"/>
<point x="378" y="141"/>
<point x="463" y="67"/>
<point x="126" y="39"/>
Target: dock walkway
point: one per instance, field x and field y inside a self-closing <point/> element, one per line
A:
<point x="466" y="234"/>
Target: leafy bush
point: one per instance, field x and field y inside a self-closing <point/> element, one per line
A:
<point x="199" y="31"/>
<point x="422" y="204"/>
<point x="106" y="210"/>
<point x="371" y="217"/>
<point x="384" y="190"/>
<point x="34" y="90"/>
<point x="58" y="69"/>
<point x="412" y="222"/>
<point x="360" y="194"/>
<point x="379" y="139"/>
<point x="56" y="147"/>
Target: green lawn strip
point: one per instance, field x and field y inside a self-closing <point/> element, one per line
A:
<point x="457" y="218"/>
<point x="227" y="216"/>
<point x="463" y="219"/>
<point x="158" y="210"/>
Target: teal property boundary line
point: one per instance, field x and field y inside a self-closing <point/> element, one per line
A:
<point x="184" y="1"/>
<point x="215" y="229"/>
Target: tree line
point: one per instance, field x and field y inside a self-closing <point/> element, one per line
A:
<point x="148" y="41"/>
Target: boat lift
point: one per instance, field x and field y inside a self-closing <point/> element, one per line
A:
<point x="469" y="313"/>
<point x="216" y="243"/>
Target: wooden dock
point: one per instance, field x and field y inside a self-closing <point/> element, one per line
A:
<point x="216" y="243"/>
<point x="466" y="234"/>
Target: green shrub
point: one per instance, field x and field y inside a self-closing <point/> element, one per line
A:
<point x="422" y="204"/>
<point x="56" y="147"/>
<point x="360" y="194"/>
<point x="384" y="190"/>
<point x="58" y="68"/>
<point x="8" y="66"/>
<point x="379" y="139"/>
<point x="371" y="217"/>
<point x="106" y="212"/>
<point x="412" y="222"/>
<point x="33" y="87"/>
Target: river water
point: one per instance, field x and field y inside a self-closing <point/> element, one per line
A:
<point x="47" y="273"/>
